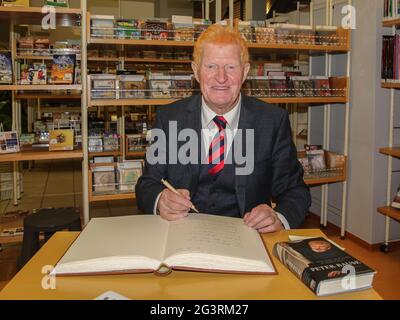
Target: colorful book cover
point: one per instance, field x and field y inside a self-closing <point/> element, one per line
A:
<point x="63" y="69"/>
<point x="61" y="140"/>
<point x="6" y="75"/>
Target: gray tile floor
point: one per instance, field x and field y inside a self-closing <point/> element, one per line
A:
<point x="58" y="183"/>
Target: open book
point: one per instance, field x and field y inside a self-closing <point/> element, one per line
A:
<point x="147" y="243"/>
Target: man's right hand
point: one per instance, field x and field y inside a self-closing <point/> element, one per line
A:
<point x="172" y="206"/>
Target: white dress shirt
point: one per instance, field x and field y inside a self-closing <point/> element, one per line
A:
<point x="209" y="130"/>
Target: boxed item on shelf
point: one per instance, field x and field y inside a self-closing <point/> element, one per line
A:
<point x="246" y="30"/>
<point x="127" y="29"/>
<point x="302" y="86"/>
<point x="8" y="141"/>
<point x="57" y="3"/>
<point x="132" y="86"/>
<point x="286" y="33"/>
<point x="61" y="139"/>
<point x="41" y="47"/>
<point x="160" y="86"/>
<point x="15" y="3"/>
<point x="27" y="139"/>
<point x="110" y="142"/>
<point x="182" y="86"/>
<point x="6" y="75"/>
<point x="63" y="69"/>
<point x="326" y="35"/>
<point x="278" y="86"/>
<point x="128" y="173"/>
<point x="104" y="86"/>
<point x="321" y="86"/>
<point x="37" y="73"/>
<point x="104" y="179"/>
<point x="305" y="35"/>
<point x="102" y="26"/>
<point x="95" y="143"/>
<point x="183" y="28"/>
<point x="156" y="29"/>
<point x="25" y="46"/>
<point x="136" y="142"/>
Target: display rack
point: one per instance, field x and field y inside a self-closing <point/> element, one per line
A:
<point x="82" y="18"/>
<point x="392" y="152"/>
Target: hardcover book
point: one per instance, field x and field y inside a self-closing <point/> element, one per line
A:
<point x="6" y="75"/>
<point x="104" y="179"/>
<point x="323" y="267"/>
<point x="63" y="69"/>
<point x="147" y="243"/>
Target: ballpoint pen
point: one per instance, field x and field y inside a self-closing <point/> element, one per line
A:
<point x="170" y="187"/>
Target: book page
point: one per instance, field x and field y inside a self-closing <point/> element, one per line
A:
<point x="109" y="239"/>
<point x="199" y="235"/>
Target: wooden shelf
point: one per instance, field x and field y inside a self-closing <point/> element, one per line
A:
<point x="298" y="47"/>
<point x="394" y="152"/>
<point x="133" y="42"/>
<point x="33" y="16"/>
<point x="110" y="197"/>
<point x="40" y="154"/>
<point x="390" y="85"/>
<point x="48" y="96"/>
<point x="310" y="100"/>
<point x="141" y="154"/>
<point x="51" y="87"/>
<point x="390" y="212"/>
<point x="391" y="23"/>
<point x="105" y="154"/>
<point x="130" y="102"/>
<point x="320" y="181"/>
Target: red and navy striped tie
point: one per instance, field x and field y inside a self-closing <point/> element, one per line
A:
<point x="216" y="152"/>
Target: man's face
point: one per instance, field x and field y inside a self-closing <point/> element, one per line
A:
<point x="220" y="75"/>
<point x="319" y="246"/>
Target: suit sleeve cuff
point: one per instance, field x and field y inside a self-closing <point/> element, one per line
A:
<point x="283" y="220"/>
<point x="156" y="203"/>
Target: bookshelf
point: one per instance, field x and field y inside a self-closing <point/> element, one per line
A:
<point x="390" y="150"/>
<point x="19" y="18"/>
<point x="81" y="18"/>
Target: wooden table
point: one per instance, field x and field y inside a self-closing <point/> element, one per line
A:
<point x="27" y="284"/>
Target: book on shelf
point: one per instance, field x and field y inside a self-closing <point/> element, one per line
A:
<point x="6" y="70"/>
<point x="63" y="69"/>
<point x="390" y="57"/>
<point x="322" y="86"/>
<point x="104" y="179"/>
<point x="8" y="141"/>
<point x="61" y="140"/>
<point x="391" y="9"/>
<point x="316" y="157"/>
<point x="147" y="243"/>
<point x="323" y="267"/>
<point x="128" y="173"/>
<point x="57" y="3"/>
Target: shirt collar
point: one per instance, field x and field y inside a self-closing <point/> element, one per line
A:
<point x="231" y="117"/>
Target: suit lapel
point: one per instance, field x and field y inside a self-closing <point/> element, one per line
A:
<point x="246" y="121"/>
<point x="192" y="120"/>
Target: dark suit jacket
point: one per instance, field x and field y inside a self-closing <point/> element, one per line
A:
<point x="277" y="174"/>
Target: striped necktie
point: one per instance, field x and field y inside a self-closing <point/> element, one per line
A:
<point x="216" y="152"/>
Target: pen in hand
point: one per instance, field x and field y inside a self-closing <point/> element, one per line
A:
<point x="170" y="187"/>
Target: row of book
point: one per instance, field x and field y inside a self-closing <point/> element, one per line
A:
<point x="283" y="33"/>
<point x="105" y="142"/>
<point x="391" y="57"/>
<point x="179" y="28"/>
<point x="131" y="86"/>
<point x="317" y="162"/>
<point x="285" y="85"/>
<point x="63" y="70"/>
<point x="391" y="9"/>
<point x="110" y="177"/>
<point x="31" y="46"/>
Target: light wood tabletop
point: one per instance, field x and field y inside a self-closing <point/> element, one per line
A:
<point x="27" y="284"/>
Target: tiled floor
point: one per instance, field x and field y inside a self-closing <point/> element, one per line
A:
<point x="58" y="183"/>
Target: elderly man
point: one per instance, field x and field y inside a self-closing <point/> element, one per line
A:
<point x="219" y="115"/>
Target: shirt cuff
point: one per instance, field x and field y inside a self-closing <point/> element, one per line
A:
<point x="283" y="220"/>
<point x="156" y="203"/>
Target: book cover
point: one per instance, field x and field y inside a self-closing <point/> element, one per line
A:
<point x="103" y="179"/>
<point x="323" y="267"/>
<point x="6" y="74"/>
<point x="62" y="139"/>
<point x="396" y="199"/>
<point x="322" y="86"/>
<point x="128" y="174"/>
<point x="63" y="69"/>
<point x="57" y="3"/>
<point x="15" y="3"/>
<point x="9" y="142"/>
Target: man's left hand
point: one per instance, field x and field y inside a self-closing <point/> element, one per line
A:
<point x="264" y="219"/>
